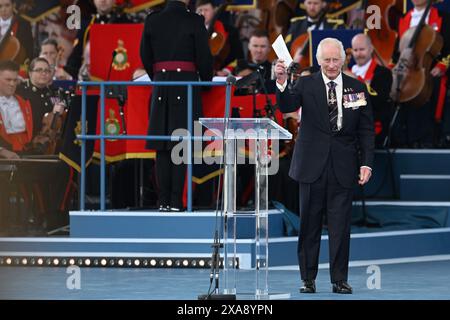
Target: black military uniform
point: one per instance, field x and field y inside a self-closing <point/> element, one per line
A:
<point x="174" y="47"/>
<point x="300" y="25"/>
<point x="265" y="69"/>
<point x="42" y="101"/>
<point x="75" y="59"/>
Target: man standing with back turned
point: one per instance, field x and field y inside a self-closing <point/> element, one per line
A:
<point x="174" y="47"/>
<point x="336" y="123"/>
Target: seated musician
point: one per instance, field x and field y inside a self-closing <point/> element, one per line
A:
<point x="106" y="14"/>
<point x="259" y="48"/>
<point x="378" y="80"/>
<point x="50" y="51"/>
<point x="16" y="132"/>
<point x="223" y="64"/>
<point x="14" y="25"/>
<point x="40" y="92"/>
<point x="302" y="24"/>
<point x="16" y="121"/>
<point x="425" y="127"/>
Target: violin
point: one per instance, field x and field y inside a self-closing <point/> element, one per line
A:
<point x="419" y="46"/>
<point x="49" y="139"/>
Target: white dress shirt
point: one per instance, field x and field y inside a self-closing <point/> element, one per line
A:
<point x="416" y="15"/>
<point x="339" y="91"/>
<point x="360" y="71"/>
<point x="313" y="26"/>
<point x="4" y="26"/>
<point x="12" y="115"/>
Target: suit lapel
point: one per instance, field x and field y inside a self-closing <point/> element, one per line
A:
<point x="321" y="99"/>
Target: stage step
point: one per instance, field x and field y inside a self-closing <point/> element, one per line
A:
<point x="404" y="161"/>
<point x="424" y="187"/>
<point x="282" y="251"/>
<point x="399" y="215"/>
<point x="185" y="225"/>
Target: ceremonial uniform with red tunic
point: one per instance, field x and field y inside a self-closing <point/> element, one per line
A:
<point x="378" y="80"/>
<point x="16" y="141"/>
<point x="421" y="122"/>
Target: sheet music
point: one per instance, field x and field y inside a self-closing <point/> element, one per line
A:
<point x="281" y="50"/>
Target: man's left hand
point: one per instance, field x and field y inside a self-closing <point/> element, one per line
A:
<point x="364" y="175"/>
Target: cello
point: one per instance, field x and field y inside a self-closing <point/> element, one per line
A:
<point x="300" y="45"/>
<point x="218" y="44"/>
<point x="10" y="46"/>
<point x="383" y="38"/>
<point x="419" y="46"/>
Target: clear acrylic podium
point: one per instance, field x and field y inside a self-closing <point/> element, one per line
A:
<point x="261" y="134"/>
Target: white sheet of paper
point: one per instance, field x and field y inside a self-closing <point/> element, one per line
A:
<point x="281" y="50"/>
<point x="222" y="79"/>
<point x="143" y="78"/>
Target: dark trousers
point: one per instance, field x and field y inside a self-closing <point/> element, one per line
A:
<point x="170" y="180"/>
<point x="324" y="196"/>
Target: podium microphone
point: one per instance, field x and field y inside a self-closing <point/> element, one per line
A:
<point x="230" y="80"/>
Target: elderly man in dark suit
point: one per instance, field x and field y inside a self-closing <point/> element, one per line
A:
<point x="174" y="47"/>
<point x="336" y="123"/>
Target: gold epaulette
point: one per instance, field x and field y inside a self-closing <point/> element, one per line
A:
<point x="446" y="61"/>
<point x="288" y="38"/>
<point x="298" y="18"/>
<point x="336" y="21"/>
<point x="370" y="90"/>
<point x="232" y="64"/>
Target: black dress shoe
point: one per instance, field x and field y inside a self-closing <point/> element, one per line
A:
<point x="309" y="286"/>
<point x="176" y="209"/>
<point x="342" y="287"/>
<point x="164" y="209"/>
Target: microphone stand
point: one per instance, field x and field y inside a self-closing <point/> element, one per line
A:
<point x="402" y="68"/>
<point x="214" y="294"/>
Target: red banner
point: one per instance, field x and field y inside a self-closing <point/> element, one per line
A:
<point x="115" y="49"/>
<point x="137" y="115"/>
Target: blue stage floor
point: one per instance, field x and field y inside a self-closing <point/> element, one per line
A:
<point x="418" y="280"/>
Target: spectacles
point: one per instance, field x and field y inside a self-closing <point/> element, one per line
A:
<point x="39" y="70"/>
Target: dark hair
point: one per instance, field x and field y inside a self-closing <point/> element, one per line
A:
<point x="260" y="33"/>
<point x="50" y="41"/>
<point x="36" y="60"/>
<point x="199" y="3"/>
<point x="8" y="65"/>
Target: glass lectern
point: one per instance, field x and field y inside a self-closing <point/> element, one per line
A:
<point x="261" y="135"/>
